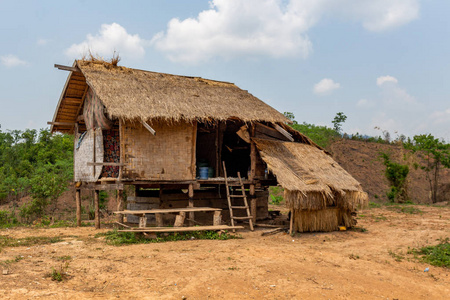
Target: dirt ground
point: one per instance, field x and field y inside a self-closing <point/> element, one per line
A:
<point x="339" y="265"/>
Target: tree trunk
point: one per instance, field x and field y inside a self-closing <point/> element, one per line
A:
<point x="435" y="185"/>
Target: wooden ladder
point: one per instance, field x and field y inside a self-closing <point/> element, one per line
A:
<point x="242" y="196"/>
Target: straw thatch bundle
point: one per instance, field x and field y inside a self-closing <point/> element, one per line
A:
<point x="321" y="220"/>
<point x="135" y="94"/>
<point x="311" y="178"/>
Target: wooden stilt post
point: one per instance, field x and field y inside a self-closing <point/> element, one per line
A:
<point x="97" y="209"/>
<point x="252" y="174"/>
<point x="120" y="205"/>
<point x="191" y="204"/>
<point x="253" y="203"/>
<point x="291" y="224"/>
<point x="78" y="204"/>
<point x="217" y="218"/>
<point x="159" y="220"/>
<point x="179" y="219"/>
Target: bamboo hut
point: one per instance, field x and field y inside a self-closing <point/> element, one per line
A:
<point x="155" y="131"/>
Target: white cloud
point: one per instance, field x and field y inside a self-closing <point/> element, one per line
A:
<point x="42" y="42"/>
<point x="383" y="79"/>
<point x="12" y="61"/>
<point x="273" y="28"/>
<point x="111" y="37"/>
<point x="325" y="87"/>
<point x="364" y="103"/>
<point x="392" y="93"/>
<point x="440" y="117"/>
<point x="378" y="15"/>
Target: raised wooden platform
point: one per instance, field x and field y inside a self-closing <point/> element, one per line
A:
<point x="166" y="210"/>
<point x="179" y="220"/>
<point x="181" y="229"/>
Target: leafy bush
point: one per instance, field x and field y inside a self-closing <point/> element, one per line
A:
<point x="102" y="199"/>
<point x="374" y="205"/>
<point x="276" y="195"/>
<point x="60" y="273"/>
<point x="276" y="200"/>
<point x="438" y="255"/>
<point x="396" y="175"/>
<point x="7" y="219"/>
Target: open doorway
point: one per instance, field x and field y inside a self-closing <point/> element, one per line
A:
<point x="217" y="142"/>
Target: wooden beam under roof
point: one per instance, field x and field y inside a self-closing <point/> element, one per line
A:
<point x="67" y="68"/>
<point x="61" y="123"/>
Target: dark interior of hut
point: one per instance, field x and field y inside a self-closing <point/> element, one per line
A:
<point x="217" y="142"/>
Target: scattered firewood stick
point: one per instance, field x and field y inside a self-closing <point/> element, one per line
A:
<point x="273" y="231"/>
<point x="121" y="224"/>
<point x="268" y="225"/>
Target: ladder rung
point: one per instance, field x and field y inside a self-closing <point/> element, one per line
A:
<point x="239" y="207"/>
<point x="237" y="196"/>
<point x="242" y="218"/>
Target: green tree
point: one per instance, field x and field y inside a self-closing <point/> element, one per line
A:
<point x="290" y="116"/>
<point x="34" y="163"/>
<point x="435" y="155"/>
<point x="396" y="174"/>
<point x="338" y="120"/>
<point x="321" y="135"/>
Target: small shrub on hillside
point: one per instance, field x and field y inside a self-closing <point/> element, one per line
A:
<point x="396" y="175"/>
<point x="59" y="273"/>
<point x="374" y="205"/>
<point x="8" y="219"/>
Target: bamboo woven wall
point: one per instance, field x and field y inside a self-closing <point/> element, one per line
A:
<point x="85" y="154"/>
<point x="164" y="156"/>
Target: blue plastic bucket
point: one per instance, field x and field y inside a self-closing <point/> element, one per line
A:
<point x="203" y="171"/>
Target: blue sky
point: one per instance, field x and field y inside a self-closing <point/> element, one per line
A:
<point x="384" y="63"/>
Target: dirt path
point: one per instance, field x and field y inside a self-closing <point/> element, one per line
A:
<point x="339" y="265"/>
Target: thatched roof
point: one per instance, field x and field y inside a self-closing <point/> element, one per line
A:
<point x="142" y="95"/>
<point x="311" y="178"/>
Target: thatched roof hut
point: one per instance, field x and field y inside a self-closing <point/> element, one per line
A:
<point x="197" y="121"/>
<point x="133" y="94"/>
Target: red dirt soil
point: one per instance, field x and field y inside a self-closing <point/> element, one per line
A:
<point x="362" y="160"/>
<point x="337" y="265"/>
